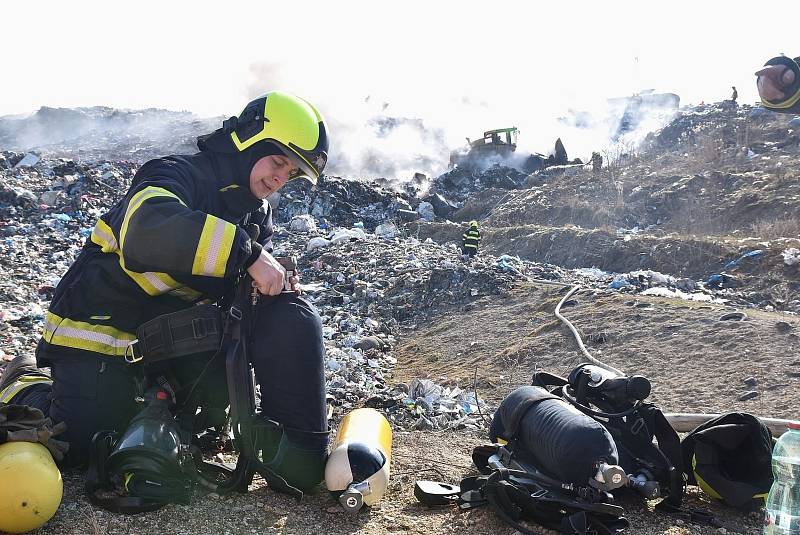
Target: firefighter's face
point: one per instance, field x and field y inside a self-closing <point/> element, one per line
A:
<point x="269" y="174"/>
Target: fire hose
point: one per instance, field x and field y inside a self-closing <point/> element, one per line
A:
<point x="681" y="422"/>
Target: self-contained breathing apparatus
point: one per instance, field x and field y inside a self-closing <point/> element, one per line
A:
<point x="619" y="404"/>
<point x="157" y="459"/>
<point x="561" y="446"/>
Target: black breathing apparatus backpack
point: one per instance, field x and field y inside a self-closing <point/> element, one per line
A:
<point x="618" y="404"/>
<point x="561" y="446"/>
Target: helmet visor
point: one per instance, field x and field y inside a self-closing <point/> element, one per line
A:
<point x="303" y="170"/>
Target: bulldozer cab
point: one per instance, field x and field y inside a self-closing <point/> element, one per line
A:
<point x="502" y="136"/>
<point x="499" y="143"/>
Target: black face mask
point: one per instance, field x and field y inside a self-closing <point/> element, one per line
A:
<point x="244" y="161"/>
<point x="235" y="168"/>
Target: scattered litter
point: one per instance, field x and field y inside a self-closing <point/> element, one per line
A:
<point x="791" y="256"/>
<point x="620" y="281"/>
<point x="386" y="230"/>
<point x="592" y="273"/>
<point x="733" y="316"/>
<point x="721" y="281"/>
<point x="425" y="211"/>
<point x="752" y="255"/>
<point x="317" y="242"/>
<point x="29" y="160"/>
<point x="749" y="395"/>
<point x="666" y="292"/>
<point x="641" y="279"/>
<point x="303" y="223"/>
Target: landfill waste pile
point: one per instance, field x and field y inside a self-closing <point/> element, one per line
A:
<point x="344" y="202"/>
<point x="462" y="181"/>
<point x="102" y="133"/>
<point x="365" y="277"/>
<point x="369" y="287"/>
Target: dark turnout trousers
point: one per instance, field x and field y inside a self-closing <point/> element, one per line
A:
<point x="95" y="393"/>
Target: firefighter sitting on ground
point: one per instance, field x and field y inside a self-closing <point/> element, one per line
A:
<point x="181" y="235"/>
<point x="471" y="239"/>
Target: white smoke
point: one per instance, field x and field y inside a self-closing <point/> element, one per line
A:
<point x="396" y="132"/>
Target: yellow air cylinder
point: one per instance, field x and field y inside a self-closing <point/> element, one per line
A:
<point x="358" y="467"/>
<point x="30" y="486"/>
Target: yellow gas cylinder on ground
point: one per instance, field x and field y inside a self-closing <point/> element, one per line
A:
<point x="358" y="467"/>
<point x="30" y="486"/>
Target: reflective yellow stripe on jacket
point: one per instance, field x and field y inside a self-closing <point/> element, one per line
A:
<point x="89" y="337"/>
<point x="214" y="247"/>
<point x="471" y="239"/>
<point x="154" y="283"/>
<point x="23" y="382"/>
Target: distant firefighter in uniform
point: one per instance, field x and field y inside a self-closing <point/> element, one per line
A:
<point x="471" y="239"/>
<point x="597" y="162"/>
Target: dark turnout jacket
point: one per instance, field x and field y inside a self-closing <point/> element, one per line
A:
<point x="175" y="239"/>
<point x="471" y="239"/>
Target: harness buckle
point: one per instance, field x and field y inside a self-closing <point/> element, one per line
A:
<point x="130" y="352"/>
<point x="235" y="313"/>
<point x="199" y="328"/>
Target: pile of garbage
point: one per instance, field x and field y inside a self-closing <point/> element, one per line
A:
<point x="343" y="202"/>
<point x="102" y="133"/>
<point x="462" y="181"/>
<point x="359" y="266"/>
<point x="425" y="405"/>
<point x="721" y="120"/>
<point x="649" y="282"/>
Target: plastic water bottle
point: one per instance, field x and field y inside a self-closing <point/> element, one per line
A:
<point x="783" y="503"/>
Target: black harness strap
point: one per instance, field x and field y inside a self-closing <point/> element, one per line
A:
<point x="189" y="331"/>
<point x="241" y="392"/>
<point x="512" y="500"/>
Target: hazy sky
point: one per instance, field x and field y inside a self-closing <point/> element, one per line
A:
<point x="463" y="66"/>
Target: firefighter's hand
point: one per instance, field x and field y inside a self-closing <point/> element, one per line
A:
<point x="294" y="283"/>
<point x="773" y="80"/>
<point x="267" y="273"/>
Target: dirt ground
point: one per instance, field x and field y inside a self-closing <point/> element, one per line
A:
<point x="695" y="361"/>
<point x="441" y="456"/>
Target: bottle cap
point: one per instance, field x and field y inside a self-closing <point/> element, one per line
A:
<point x="794" y="425"/>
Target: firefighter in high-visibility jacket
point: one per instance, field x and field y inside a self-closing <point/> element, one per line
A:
<point x="178" y="237"/>
<point x="471" y="239"/>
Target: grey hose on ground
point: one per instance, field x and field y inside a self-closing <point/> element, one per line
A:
<point x="572" y="328"/>
<point x="681" y="422"/>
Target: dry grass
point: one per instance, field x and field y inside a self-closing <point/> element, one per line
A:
<point x="88" y="513"/>
<point x="709" y="149"/>
<point x="777" y="228"/>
